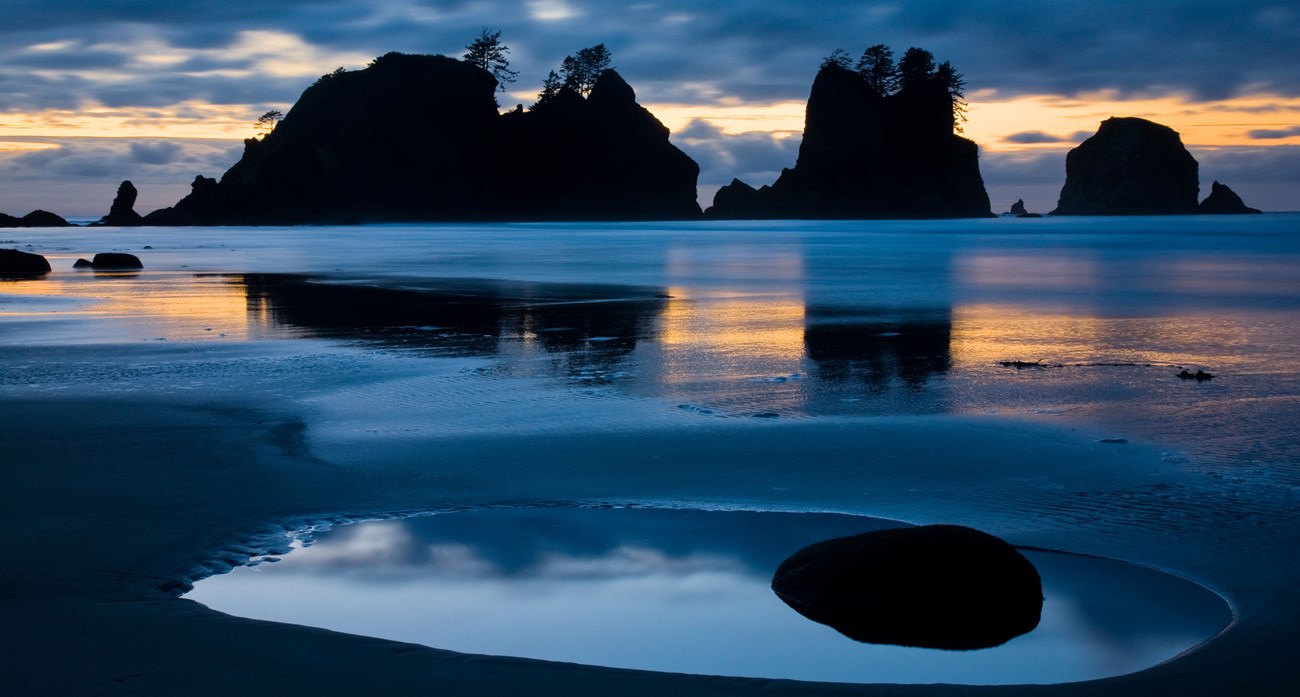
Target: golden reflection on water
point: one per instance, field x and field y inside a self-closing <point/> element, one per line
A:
<point x="985" y="334"/>
<point x="741" y="335"/>
<point x="142" y="305"/>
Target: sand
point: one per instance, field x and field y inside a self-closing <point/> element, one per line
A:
<point x="111" y="500"/>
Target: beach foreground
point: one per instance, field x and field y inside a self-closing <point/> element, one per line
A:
<point x="113" y="500"/>
<point x="133" y="466"/>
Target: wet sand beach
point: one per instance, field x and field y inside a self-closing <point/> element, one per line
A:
<point x="154" y="435"/>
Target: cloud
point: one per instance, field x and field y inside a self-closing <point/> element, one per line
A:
<point x="1263" y="164"/>
<point x="730" y="49"/>
<point x="77" y="176"/>
<point x="1033" y="138"/>
<point x="756" y="158"/>
<point x="1271" y="134"/>
<point x="159" y="153"/>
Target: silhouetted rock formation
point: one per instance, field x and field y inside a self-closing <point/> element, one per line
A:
<point x="83" y="264"/>
<point x="122" y="212"/>
<point x="37" y="218"/>
<point x="936" y="586"/>
<point x="604" y="157"/>
<point x="1223" y="200"/>
<point x="116" y="261"/>
<point x="419" y="138"/>
<point x="204" y="195"/>
<point x="1131" y="166"/>
<point x="14" y="262"/>
<point x="1018" y="210"/>
<point x="868" y="156"/>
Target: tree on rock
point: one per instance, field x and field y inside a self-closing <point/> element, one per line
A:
<point x="267" y="122"/>
<point x="876" y="66"/>
<point x="578" y="73"/>
<point x="915" y="68"/>
<point x="955" y="84"/>
<point x="838" y="57"/>
<point x="581" y="70"/>
<point x="488" y="52"/>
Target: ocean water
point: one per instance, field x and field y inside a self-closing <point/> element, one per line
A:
<point x="387" y="339"/>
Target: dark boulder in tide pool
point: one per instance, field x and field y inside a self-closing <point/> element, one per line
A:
<point x="14" y="262"/>
<point x="935" y="586"/>
<point x="115" y="261"/>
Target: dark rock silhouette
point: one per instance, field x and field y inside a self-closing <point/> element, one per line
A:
<point x="419" y="138"/>
<point x="113" y="261"/>
<point x="936" y="586"/>
<point x="203" y="197"/>
<point x="83" y="264"/>
<point x="15" y="262"/>
<point x="122" y="212"/>
<point x="865" y="155"/>
<point x="1223" y="200"/>
<point x="1131" y="166"/>
<point x="604" y="157"/>
<point x="1018" y="210"/>
<point x="36" y="218"/>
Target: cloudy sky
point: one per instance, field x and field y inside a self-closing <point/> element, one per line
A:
<point x="96" y="91"/>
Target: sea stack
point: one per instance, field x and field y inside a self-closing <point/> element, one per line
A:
<point x="1131" y="166"/>
<point x="868" y="155"/>
<point x="419" y="138"/>
<point x="122" y="212"/>
<point x="1224" y="201"/>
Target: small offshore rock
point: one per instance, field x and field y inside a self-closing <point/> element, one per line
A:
<point x="14" y="262"/>
<point x="1224" y="201"/>
<point x="1199" y="376"/>
<point x="116" y="260"/>
<point x="83" y="264"/>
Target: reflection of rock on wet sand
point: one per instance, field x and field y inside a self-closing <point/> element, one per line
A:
<point x="879" y="349"/>
<point x="591" y="325"/>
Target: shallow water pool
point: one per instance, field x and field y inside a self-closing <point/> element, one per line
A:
<point x="683" y="591"/>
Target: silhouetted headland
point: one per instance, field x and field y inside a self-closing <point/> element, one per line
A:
<point x="1133" y="166"/>
<point x="874" y="147"/>
<point x="36" y="218"/>
<point x="419" y="138"/>
<point x="935" y="586"/>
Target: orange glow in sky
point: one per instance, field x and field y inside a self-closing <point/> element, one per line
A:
<point x="1222" y="123"/>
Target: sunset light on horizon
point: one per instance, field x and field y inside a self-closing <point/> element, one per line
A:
<point x="89" y="97"/>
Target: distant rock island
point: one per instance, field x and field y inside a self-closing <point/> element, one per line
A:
<point x="420" y="138"/>
<point x="37" y="218"/>
<point x="878" y="142"/>
<point x="1133" y="166"/>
